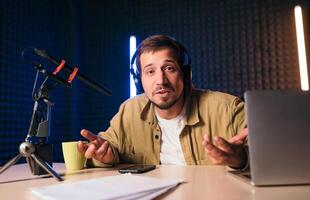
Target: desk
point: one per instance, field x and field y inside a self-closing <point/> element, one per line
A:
<point x="202" y="182"/>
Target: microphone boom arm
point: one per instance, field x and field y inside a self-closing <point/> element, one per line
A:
<point x="91" y="83"/>
<point x="103" y="90"/>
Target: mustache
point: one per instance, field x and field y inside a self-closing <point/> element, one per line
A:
<point x="161" y="88"/>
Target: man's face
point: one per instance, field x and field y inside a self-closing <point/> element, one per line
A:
<point x="162" y="78"/>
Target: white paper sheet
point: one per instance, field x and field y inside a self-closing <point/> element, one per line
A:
<point x="124" y="186"/>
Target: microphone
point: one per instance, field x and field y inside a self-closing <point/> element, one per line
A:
<point x="101" y="89"/>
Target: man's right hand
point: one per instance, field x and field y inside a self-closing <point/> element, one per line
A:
<point x="97" y="148"/>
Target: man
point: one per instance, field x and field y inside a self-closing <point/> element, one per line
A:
<point x="171" y="122"/>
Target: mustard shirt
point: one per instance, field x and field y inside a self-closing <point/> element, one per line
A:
<point x="135" y="135"/>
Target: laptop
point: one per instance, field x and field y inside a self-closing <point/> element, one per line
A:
<point x="279" y="137"/>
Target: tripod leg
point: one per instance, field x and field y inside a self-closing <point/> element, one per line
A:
<point x="30" y="162"/>
<point x="10" y="163"/>
<point x="46" y="167"/>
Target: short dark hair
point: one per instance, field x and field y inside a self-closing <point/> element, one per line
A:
<point x="158" y="42"/>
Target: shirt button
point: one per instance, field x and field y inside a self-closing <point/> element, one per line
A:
<point x="156" y="137"/>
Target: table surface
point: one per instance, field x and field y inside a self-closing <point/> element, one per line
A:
<point x="201" y="182"/>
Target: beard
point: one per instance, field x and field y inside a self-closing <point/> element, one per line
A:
<point x="165" y="106"/>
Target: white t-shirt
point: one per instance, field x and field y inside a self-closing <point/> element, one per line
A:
<point x="171" y="151"/>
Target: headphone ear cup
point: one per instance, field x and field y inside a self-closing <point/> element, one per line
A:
<point x="136" y="74"/>
<point x="138" y="83"/>
<point x="187" y="75"/>
<point x="187" y="68"/>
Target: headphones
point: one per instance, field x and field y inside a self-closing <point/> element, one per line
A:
<point x="185" y="68"/>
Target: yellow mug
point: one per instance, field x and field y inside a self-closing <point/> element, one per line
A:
<point x="74" y="160"/>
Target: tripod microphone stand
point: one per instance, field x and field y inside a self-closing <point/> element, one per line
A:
<point x="35" y="149"/>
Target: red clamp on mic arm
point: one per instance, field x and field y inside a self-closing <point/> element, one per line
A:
<point x="59" y="67"/>
<point x="72" y="75"/>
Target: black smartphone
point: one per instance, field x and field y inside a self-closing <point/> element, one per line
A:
<point x="137" y="169"/>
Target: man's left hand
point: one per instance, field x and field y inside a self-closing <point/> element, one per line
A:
<point x="230" y="152"/>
